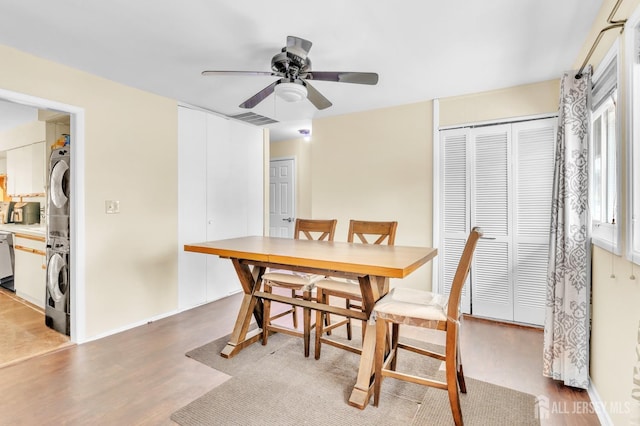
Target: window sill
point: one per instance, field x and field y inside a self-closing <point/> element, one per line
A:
<point x="607" y="238"/>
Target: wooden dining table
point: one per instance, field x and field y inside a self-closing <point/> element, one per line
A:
<point x="371" y="265"/>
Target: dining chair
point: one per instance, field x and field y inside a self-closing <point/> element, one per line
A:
<point x="366" y="232"/>
<point x="428" y="310"/>
<point x="300" y="284"/>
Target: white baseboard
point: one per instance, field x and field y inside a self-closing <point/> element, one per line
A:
<point x="599" y="405"/>
<point x="37" y="302"/>
<point x="130" y="326"/>
<point x="152" y="319"/>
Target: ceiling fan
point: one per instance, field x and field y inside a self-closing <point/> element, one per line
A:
<point x="293" y="66"/>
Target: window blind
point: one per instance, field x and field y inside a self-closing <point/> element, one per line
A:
<point x="604" y="84"/>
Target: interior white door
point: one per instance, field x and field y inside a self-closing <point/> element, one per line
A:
<point x="491" y="288"/>
<point x="534" y="146"/>
<point x="454" y="208"/>
<point x="281" y="198"/>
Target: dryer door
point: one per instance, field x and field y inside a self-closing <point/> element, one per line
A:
<point x="59" y="184"/>
<point x="57" y="278"/>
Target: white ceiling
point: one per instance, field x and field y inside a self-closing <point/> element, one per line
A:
<point x="421" y="49"/>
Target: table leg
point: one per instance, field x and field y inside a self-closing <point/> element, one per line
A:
<point x="362" y="390"/>
<point x="240" y="337"/>
<point x="373" y="288"/>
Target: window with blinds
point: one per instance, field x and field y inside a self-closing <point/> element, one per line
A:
<point x="604" y="155"/>
<point x="632" y="43"/>
<point x="498" y="177"/>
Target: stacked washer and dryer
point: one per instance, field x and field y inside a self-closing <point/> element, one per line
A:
<point x="58" y="293"/>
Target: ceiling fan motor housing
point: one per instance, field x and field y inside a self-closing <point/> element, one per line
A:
<point x="290" y="64"/>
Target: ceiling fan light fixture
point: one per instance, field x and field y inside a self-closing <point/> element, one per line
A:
<point x="291" y="92"/>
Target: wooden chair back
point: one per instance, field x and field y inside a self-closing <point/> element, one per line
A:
<point x="381" y="231"/>
<point x="462" y="272"/>
<point x="315" y="229"/>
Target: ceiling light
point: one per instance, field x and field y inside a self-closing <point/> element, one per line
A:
<point x="306" y="134"/>
<point x="291" y="92"/>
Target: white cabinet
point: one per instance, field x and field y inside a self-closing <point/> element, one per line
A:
<point x="38" y="168"/>
<point x="30" y="268"/>
<point x="220" y="195"/>
<point x="15" y="158"/>
<point x="26" y="169"/>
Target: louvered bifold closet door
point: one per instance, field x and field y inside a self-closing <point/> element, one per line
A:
<point x="492" y="289"/>
<point x="454" y="207"/>
<point x="534" y="146"/>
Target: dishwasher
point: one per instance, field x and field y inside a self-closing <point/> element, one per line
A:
<point x="7" y="260"/>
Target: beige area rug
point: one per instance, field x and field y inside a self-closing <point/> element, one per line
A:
<point x="277" y="385"/>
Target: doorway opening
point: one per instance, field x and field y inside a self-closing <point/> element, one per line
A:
<point x="76" y="212"/>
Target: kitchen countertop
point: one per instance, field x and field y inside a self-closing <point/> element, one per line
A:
<point x="37" y="229"/>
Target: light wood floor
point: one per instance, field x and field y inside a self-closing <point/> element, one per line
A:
<point x="141" y="376"/>
<point x="23" y="333"/>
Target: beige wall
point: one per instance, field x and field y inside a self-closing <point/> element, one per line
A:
<point x="300" y="150"/>
<point x="376" y="165"/>
<point x="521" y="101"/>
<point x="614" y="332"/>
<point x="130" y="156"/>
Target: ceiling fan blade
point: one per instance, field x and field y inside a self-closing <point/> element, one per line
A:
<point x="241" y="73"/>
<point x="259" y="97"/>
<point x="344" y="77"/>
<point x="298" y="46"/>
<point x="315" y="97"/>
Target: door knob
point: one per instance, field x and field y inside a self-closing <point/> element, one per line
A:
<point x="288" y="219"/>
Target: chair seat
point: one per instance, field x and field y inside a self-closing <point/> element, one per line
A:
<point x="412" y="306"/>
<point x="346" y="287"/>
<point x="295" y="280"/>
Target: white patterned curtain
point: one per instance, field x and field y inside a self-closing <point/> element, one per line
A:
<point x="566" y="330"/>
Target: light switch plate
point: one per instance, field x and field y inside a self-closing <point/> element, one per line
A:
<point x="111" y="206"/>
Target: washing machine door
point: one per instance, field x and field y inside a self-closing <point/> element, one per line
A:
<point x="57" y="277"/>
<point x="59" y="184"/>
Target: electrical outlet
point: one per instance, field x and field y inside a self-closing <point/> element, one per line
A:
<point x="111" y="206"/>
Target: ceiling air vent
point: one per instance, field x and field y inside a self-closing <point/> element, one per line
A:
<point x="255" y="119"/>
